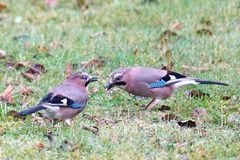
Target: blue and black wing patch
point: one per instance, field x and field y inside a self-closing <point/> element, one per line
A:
<point x="62" y="101"/>
<point x="163" y="81"/>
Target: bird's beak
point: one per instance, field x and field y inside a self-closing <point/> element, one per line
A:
<point x="109" y="86"/>
<point x="93" y="79"/>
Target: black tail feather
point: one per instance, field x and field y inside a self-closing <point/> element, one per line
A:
<point x="210" y="82"/>
<point x="31" y="110"/>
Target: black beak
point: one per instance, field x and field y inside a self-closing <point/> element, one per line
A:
<point x="92" y="79"/>
<point x="109" y="86"/>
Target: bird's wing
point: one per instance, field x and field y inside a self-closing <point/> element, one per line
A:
<point x="169" y="79"/>
<point x="69" y="95"/>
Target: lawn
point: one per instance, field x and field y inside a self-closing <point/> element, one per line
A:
<point x="119" y="33"/>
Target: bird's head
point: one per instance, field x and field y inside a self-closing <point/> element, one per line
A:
<point x="82" y="78"/>
<point x="117" y="78"/>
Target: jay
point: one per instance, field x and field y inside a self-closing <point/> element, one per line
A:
<point x="157" y="84"/>
<point x="64" y="101"/>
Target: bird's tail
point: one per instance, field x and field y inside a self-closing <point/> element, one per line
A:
<point x="31" y="110"/>
<point x="177" y="83"/>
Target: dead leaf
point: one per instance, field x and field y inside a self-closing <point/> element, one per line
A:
<point x="168" y="33"/>
<point x="100" y="121"/>
<point x="30" y="76"/>
<point x="66" y="146"/>
<point x="6" y="95"/>
<point x="40" y="145"/>
<point x="98" y="62"/>
<point x="188" y="123"/>
<point x="206" y="21"/>
<point x="97" y="34"/>
<point x="204" y="31"/>
<point x="42" y="48"/>
<point x="195" y="69"/>
<point x="26" y="91"/>
<point x="170" y="117"/>
<point x="135" y="52"/>
<point x="2" y="54"/>
<point x="177" y="25"/>
<point x="225" y="98"/>
<point x="93" y="129"/>
<point x="2" y="6"/>
<point x="196" y="93"/>
<point x="33" y="72"/>
<point x="164" y="108"/>
<point x="82" y="4"/>
<point x="199" y="112"/>
<point x="68" y="70"/>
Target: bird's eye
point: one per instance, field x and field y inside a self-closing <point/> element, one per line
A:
<point x="84" y="77"/>
<point x="118" y="78"/>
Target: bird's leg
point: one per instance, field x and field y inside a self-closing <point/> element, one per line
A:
<point x="152" y="104"/>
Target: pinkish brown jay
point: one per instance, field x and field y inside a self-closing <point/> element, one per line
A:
<point x="157" y="84"/>
<point x="66" y="100"/>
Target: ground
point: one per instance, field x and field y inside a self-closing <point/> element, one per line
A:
<point x="204" y="34"/>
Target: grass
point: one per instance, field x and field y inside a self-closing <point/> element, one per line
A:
<point x="129" y="25"/>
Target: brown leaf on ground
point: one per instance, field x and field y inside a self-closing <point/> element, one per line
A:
<point x="177" y="25"/>
<point x="68" y="69"/>
<point x="168" y="33"/>
<point x="98" y="62"/>
<point x="170" y="117"/>
<point x="135" y="52"/>
<point x="199" y="112"/>
<point x="204" y="31"/>
<point x="40" y="145"/>
<point x="26" y="91"/>
<point x="13" y="64"/>
<point x="2" y="6"/>
<point x="206" y="21"/>
<point x="33" y="72"/>
<point x="196" y="93"/>
<point x="2" y="54"/>
<point x="164" y="108"/>
<point x="66" y="146"/>
<point x="30" y="76"/>
<point x="100" y="121"/>
<point x="93" y="129"/>
<point x="14" y="114"/>
<point x="188" y="123"/>
<point x="225" y="98"/>
<point x="195" y="69"/>
<point x="6" y="95"/>
<point x="42" y="48"/>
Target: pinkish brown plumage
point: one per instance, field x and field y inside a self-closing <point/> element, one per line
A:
<point x="154" y="83"/>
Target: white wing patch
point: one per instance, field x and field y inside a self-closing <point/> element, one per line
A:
<point x="172" y="77"/>
<point x="64" y="101"/>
